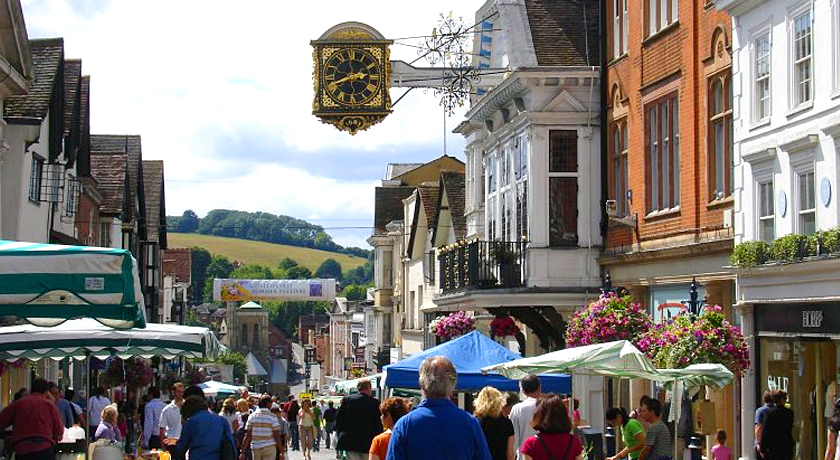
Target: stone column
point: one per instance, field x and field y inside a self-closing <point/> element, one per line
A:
<point x="720" y="293"/>
<point x="746" y="313"/>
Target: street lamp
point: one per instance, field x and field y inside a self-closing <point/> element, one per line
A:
<point x="694" y="304"/>
<point x="608" y="287"/>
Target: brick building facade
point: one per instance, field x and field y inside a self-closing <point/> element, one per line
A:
<point x="669" y="156"/>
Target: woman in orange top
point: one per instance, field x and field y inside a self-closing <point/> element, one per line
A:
<point x="391" y="409"/>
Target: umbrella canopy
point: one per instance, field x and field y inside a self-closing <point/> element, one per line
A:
<point x="710" y="375"/>
<point x="253" y="366"/>
<point x="47" y="284"/>
<point x="214" y="388"/>
<point x="346" y="387"/>
<point x="79" y="337"/>
<point x="611" y="359"/>
<point x="469" y="353"/>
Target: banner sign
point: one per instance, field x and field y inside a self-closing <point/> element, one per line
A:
<point x="235" y="290"/>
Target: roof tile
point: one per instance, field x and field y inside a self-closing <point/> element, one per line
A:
<point x="153" y="187"/>
<point x="389" y="206"/>
<point x="559" y="31"/>
<point x="47" y="57"/>
<point x="178" y="263"/>
<point x="109" y="172"/>
<point x="454" y="184"/>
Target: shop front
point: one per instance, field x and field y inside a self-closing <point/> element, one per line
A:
<point x="798" y="353"/>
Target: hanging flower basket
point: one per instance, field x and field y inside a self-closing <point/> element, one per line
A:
<point x="611" y="317"/>
<point x="503" y="326"/>
<point x="133" y="373"/>
<point x="710" y="338"/>
<point x="11" y="365"/>
<point x="452" y="325"/>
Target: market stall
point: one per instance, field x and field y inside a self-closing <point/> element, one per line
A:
<point x="213" y="388"/>
<point x="346" y="387"/>
<point x="469" y="354"/>
<point x="47" y="284"/>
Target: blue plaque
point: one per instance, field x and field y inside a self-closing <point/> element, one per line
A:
<point x="825" y="191"/>
<point x="781" y="203"/>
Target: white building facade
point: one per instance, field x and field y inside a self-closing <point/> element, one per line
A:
<point x="786" y="101"/>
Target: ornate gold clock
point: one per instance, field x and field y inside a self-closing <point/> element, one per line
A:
<point x="351" y="77"/>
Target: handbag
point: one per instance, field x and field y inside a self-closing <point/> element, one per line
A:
<point x="548" y="451"/>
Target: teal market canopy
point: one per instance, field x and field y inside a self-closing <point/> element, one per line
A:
<point x="79" y="338"/>
<point x="214" y="388"/>
<point x="47" y="284"/>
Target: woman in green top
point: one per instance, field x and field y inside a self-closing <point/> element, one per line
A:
<point x="632" y="433"/>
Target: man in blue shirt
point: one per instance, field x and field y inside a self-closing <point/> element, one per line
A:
<point x="760" y="415"/>
<point x="204" y="434"/>
<point x="437" y="428"/>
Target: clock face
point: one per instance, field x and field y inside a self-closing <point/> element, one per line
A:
<point x="352" y="76"/>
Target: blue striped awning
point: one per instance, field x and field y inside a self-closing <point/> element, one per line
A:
<point x="47" y="284"/>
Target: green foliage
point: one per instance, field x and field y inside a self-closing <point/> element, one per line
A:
<point x="199" y="260"/>
<point x="788" y="248"/>
<point x="238" y="361"/>
<point x="329" y="269"/>
<point x="260" y="226"/>
<point x="298" y="273"/>
<point x="219" y="267"/>
<point x="354" y="292"/>
<point x="252" y="271"/>
<point x="285" y="315"/>
<point x="192" y="320"/>
<point x="749" y="254"/>
<point x="827" y="240"/>
<point x="287" y="263"/>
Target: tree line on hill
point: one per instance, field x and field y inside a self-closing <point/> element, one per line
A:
<point x="259" y="226"/>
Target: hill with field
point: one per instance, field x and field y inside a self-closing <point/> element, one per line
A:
<point x="261" y="253"/>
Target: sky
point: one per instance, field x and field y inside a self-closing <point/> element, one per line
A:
<point x="222" y="92"/>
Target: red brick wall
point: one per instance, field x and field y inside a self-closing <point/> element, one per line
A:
<point x="680" y="56"/>
<point x="87" y="217"/>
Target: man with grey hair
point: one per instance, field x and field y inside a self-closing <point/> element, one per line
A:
<point x="436" y="428"/>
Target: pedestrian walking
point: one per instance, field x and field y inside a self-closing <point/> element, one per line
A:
<point x="357" y="421"/>
<point x="107" y="428"/>
<point x="760" y="415"/>
<point x="436" y="428"/>
<point x="721" y="451"/>
<point x="554" y="438"/>
<point x="284" y="430"/>
<point x="316" y="416"/>
<point x="292" y="418"/>
<point x="658" y="444"/>
<point x="777" y="434"/>
<point x="511" y="399"/>
<point x="204" y="435"/>
<point x="307" y="428"/>
<point x="96" y="403"/>
<point x="329" y="419"/>
<point x="498" y="429"/>
<point x="151" y="420"/>
<point x="523" y="412"/>
<point x="228" y="413"/>
<point x="36" y="424"/>
<point x="63" y="406"/>
<point x="831" y="450"/>
<point x="262" y="433"/>
<point x="631" y="431"/>
<point x="391" y="410"/>
<point x="170" y="416"/>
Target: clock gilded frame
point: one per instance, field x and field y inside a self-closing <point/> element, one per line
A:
<point x="351" y="77"/>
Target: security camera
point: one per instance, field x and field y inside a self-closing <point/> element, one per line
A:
<point x="612" y="208"/>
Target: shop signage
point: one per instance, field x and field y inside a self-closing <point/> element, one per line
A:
<point x="798" y="317"/>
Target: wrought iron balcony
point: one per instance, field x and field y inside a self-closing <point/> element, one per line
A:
<point x="481" y="265"/>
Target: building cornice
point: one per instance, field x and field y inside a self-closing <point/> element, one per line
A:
<point x="737" y="7"/>
<point x="676" y="252"/>
<point x="760" y="155"/>
<point x="801" y="143"/>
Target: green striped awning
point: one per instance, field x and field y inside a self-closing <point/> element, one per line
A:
<point x="79" y="338"/>
<point x="47" y="284"/>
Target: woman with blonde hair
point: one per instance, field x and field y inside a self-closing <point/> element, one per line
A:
<point x="228" y="413"/>
<point x="107" y="428"/>
<point x="307" y="428"/>
<point x="498" y="429"/>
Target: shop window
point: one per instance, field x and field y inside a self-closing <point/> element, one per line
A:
<point x="35" y="178"/>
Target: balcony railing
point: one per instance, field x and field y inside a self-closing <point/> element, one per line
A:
<point x="481" y="265"/>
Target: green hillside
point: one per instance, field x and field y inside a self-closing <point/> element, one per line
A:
<point x="256" y="252"/>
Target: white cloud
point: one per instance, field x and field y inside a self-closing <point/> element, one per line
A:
<point x="217" y="89"/>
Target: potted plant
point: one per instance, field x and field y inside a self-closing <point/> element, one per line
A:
<point x="611" y="317"/>
<point x="507" y="259"/>
<point x="503" y="326"/>
<point x="452" y="325"/>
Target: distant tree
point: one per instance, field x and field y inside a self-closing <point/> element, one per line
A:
<point x="325" y="242"/>
<point x="298" y="273"/>
<point x="355" y="292"/>
<point x="355" y="276"/>
<point x="192" y="320"/>
<point x="238" y="361"/>
<point x="200" y="259"/>
<point x="329" y="268"/>
<point x="219" y="267"/>
<point x="287" y="263"/>
<point x="252" y="271"/>
<point x="189" y="222"/>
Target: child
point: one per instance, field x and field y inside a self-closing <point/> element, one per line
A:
<point x="720" y="451"/>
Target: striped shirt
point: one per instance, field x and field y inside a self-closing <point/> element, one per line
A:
<point x="262" y="424"/>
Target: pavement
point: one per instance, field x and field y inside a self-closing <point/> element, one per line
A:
<point x="323" y="454"/>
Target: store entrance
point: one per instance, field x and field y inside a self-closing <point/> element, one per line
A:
<point x="807" y="370"/>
